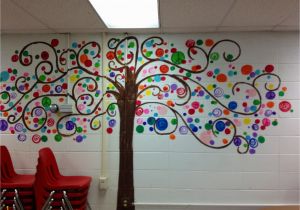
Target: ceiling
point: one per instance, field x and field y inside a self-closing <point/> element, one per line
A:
<point x="176" y="16"/>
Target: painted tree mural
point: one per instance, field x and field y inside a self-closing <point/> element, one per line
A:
<point x="150" y="86"/>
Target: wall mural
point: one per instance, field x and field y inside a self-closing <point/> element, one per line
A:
<point x="150" y="86"/>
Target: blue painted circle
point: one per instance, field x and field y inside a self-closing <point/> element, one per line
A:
<point x="232" y="105"/>
<point x="161" y="124"/>
<point x="220" y="126"/>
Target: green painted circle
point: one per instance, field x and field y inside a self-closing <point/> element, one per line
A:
<point x="229" y="57"/>
<point x="4" y="95"/>
<point x="208" y="126"/>
<point x="139" y="129"/>
<point x="178" y="57"/>
<point x="256" y="102"/>
<point x="112" y="107"/>
<point x="25" y="53"/>
<point x="46" y="102"/>
<point x="199" y="42"/>
<point x="174" y="121"/>
<point x="44" y="138"/>
<point x="42" y="77"/>
<point x="58" y="137"/>
<point x="281" y="93"/>
<point x="72" y="56"/>
<point x="86" y="51"/>
<point x="261" y="139"/>
<point x="79" y="129"/>
<point x="214" y="56"/>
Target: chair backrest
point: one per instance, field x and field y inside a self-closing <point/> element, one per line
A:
<point x="7" y="167"/>
<point x="46" y="172"/>
<point x="38" y="185"/>
<point x="48" y="161"/>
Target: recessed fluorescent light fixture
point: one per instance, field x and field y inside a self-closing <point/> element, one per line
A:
<point x="127" y="13"/>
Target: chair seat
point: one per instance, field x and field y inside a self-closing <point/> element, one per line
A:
<point x="18" y="181"/>
<point x="22" y="193"/>
<point x="71" y="182"/>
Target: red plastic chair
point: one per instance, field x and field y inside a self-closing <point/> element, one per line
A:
<point x="48" y="178"/>
<point x="10" y="181"/>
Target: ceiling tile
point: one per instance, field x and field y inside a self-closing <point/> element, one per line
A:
<point x="245" y="28"/>
<point x="259" y="12"/>
<point x="193" y="13"/>
<point x="63" y="15"/>
<point x="14" y="20"/>
<point x="188" y="29"/>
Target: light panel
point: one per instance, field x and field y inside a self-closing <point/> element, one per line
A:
<point x="127" y="13"/>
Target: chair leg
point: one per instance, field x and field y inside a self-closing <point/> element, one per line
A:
<point x="64" y="207"/>
<point x="2" y="207"/>
<point x="48" y="201"/>
<point x="2" y="193"/>
<point x="68" y="203"/>
<point x="2" y="200"/>
<point x="18" y="200"/>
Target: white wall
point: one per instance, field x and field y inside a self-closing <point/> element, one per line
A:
<point x="183" y="172"/>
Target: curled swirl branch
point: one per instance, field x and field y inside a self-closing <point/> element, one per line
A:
<point x="176" y="114"/>
<point x="114" y="44"/>
<point x="206" y="55"/>
<point x="266" y="83"/>
<point x="178" y="78"/>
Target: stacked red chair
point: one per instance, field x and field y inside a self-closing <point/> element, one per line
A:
<point x="15" y="185"/>
<point x="48" y="179"/>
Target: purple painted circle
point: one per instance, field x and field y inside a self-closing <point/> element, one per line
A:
<point x="183" y="130"/>
<point x="21" y="87"/>
<point x="189" y="120"/>
<point x="112" y="123"/>
<point x="252" y="151"/>
<point x="173" y="87"/>
<point x="217" y="112"/>
<point x="3" y="125"/>
<point x="70" y="125"/>
<point x="19" y="127"/>
<point x="255" y="127"/>
<point x="268" y="113"/>
<point x="237" y="141"/>
<point x="252" y="74"/>
<point x="38" y="112"/>
<point x="270" y="95"/>
<point x="22" y="137"/>
<point x="201" y="93"/>
<point x="58" y="88"/>
<point x="79" y="138"/>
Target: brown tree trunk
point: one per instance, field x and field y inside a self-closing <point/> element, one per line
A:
<point x="126" y="104"/>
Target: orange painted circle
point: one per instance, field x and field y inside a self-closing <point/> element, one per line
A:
<point x="164" y="69"/>
<point x="159" y="52"/>
<point x="246" y="69"/>
<point x="209" y="42"/>
<point x="83" y="58"/>
<point x="172" y="136"/>
<point x="270" y="104"/>
<point x="221" y="78"/>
